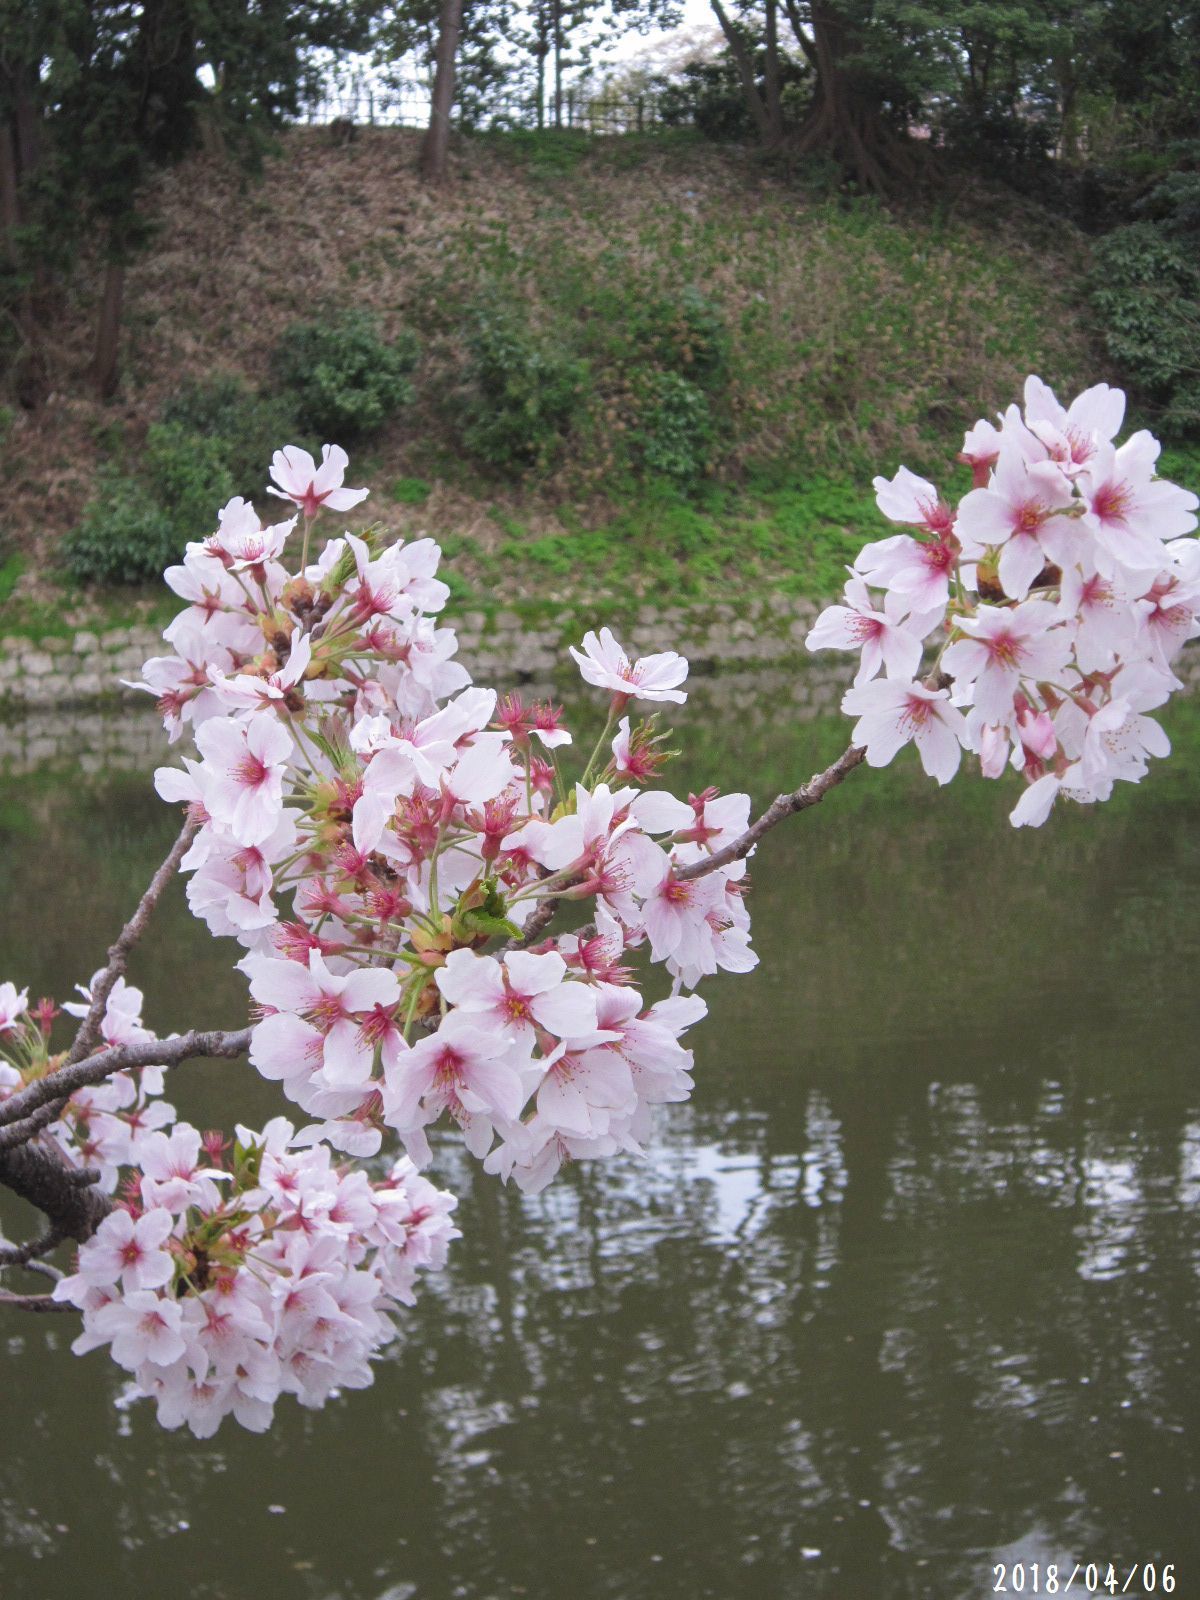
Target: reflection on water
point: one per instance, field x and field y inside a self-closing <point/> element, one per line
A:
<point x="909" y="1288"/>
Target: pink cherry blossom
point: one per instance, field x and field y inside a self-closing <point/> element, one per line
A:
<point x="300" y="480"/>
<point x="914" y="501"/>
<point x="889" y="639"/>
<point x="1020" y="512"/>
<point x="141" y="1328"/>
<point x="248" y="762"/>
<point x="891" y="714"/>
<point x="13" y="1006"/>
<point x="130" y="1250"/>
<point x="1073" y="435"/>
<point x="605" y="664"/>
<point x="242" y="541"/>
<point x="461" y="1062"/>
<point x="173" y="1175"/>
<point x="916" y="571"/>
<point x="1002" y="648"/>
<point x="519" y="995"/>
<point x="342" y="1010"/>
<point x="269" y="693"/>
<point x="582" y="1089"/>
<point x="1130" y="511"/>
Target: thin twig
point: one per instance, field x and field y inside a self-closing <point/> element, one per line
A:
<point x="34" y="1302"/>
<point x="29" y="1127"/>
<point x="24" y="1255"/>
<point x="784" y="805"/>
<point x="43" y="1269"/>
<point x="59" y="1085"/>
<point x="118" y="953"/>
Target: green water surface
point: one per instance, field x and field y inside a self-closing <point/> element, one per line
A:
<point x="908" y="1289"/>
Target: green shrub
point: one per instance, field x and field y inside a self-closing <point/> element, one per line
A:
<point x="410" y="491"/>
<point x="1146" y="291"/>
<point x="686" y="333"/>
<point x="187" y="477"/>
<point x="345" y="378"/>
<point x="124" y="536"/>
<point x="138" y="525"/>
<point x="676" y="432"/>
<point x="526" y="396"/>
<point x="247" y="427"/>
<point x="11" y="569"/>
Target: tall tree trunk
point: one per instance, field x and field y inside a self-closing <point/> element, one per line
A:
<point x="20" y="152"/>
<point x="10" y="210"/>
<point x="1068" y="99"/>
<point x="436" y="142"/>
<point x="744" y="62"/>
<point x="105" y="368"/>
<point x="846" y="121"/>
<point x="558" y="43"/>
<point x="771" y="85"/>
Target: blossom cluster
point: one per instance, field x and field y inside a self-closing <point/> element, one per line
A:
<point x="369" y="822"/>
<point x="1061" y="589"/>
<point x="218" y="1286"/>
<point x="389" y="843"/>
<point x="102" y="1126"/>
<point x="226" y="1275"/>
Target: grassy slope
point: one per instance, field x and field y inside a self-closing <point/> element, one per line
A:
<point x="859" y="339"/>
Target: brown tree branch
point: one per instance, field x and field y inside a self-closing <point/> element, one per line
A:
<point x="24" y="1130"/>
<point x="40" y="1174"/>
<point x="118" y="954"/>
<point x="34" y="1302"/>
<point x="784" y="805"/>
<point x="25" y="1255"/>
<point x="543" y="915"/>
<point x="64" y="1082"/>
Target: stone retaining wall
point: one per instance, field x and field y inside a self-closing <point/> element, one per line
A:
<point x="115" y="738"/>
<point x="59" y="671"/>
<point x="752" y="666"/>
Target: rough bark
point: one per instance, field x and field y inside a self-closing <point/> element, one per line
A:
<point x="74" y="1209"/>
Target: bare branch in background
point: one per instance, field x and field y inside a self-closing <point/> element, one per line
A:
<point x="67" y="1079"/>
<point x="118" y="954"/>
<point x="34" y="1302"/>
<point x="784" y="805"/>
<point x="25" y="1255"/>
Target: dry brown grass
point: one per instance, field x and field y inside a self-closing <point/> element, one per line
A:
<point x="852" y="330"/>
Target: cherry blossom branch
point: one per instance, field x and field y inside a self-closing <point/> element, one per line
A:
<point x="34" y="1302"/>
<point x="40" y="1175"/>
<point x="25" y="1255"/>
<point x="59" y="1085"/>
<point x="118" y="953"/>
<point x="784" y="805"/>
<point x="24" y="1130"/>
<point x="543" y="915"/>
